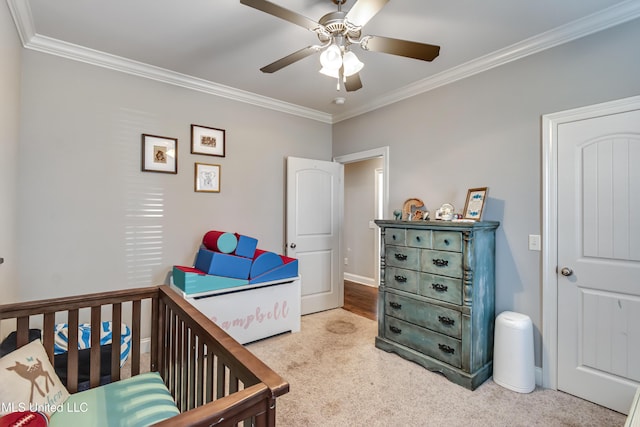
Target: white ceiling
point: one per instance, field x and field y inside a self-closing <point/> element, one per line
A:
<point x="218" y="46"/>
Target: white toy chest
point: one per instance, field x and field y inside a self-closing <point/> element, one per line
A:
<point x="253" y="312"/>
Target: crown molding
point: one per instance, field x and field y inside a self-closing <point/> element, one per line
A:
<point x="31" y="40"/>
<point x="101" y="59"/>
<point x="21" y="13"/>
<point x="610" y="17"/>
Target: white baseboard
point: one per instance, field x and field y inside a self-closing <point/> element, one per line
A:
<point x="145" y="345"/>
<point x="538" y="375"/>
<point x="369" y="281"/>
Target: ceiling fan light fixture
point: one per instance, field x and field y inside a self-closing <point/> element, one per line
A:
<point x="351" y="63"/>
<point x="331" y="58"/>
<point x="331" y="72"/>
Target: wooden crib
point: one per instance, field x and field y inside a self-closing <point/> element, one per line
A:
<point x="213" y="379"/>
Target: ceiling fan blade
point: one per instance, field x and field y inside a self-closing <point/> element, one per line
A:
<point x="289" y="59"/>
<point x="353" y="83"/>
<point x="423" y="51"/>
<point x="364" y="10"/>
<point x="282" y="13"/>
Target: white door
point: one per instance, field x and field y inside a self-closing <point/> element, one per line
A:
<point x="598" y="203"/>
<point x="314" y="215"/>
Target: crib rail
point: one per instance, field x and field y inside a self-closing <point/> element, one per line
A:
<point x="214" y="379"/>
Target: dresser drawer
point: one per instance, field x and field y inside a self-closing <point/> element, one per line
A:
<point x="399" y="278"/>
<point x="436" y="345"/>
<point x="419" y="238"/>
<point x="395" y="236"/>
<point x="447" y="241"/>
<point x="441" y="262"/>
<point x="403" y="257"/>
<point x="440" y="287"/>
<point x="430" y="316"/>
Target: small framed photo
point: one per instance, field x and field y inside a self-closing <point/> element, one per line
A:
<point x="207" y="178"/>
<point x="475" y="203"/>
<point x="159" y="154"/>
<point x="208" y="141"/>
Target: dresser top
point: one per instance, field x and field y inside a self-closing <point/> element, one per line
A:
<point x="441" y="225"/>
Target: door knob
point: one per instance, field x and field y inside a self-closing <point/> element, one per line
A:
<point x="292" y="246"/>
<point x="566" y="271"/>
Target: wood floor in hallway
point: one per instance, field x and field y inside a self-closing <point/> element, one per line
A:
<point x="361" y="299"/>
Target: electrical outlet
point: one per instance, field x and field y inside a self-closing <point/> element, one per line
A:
<point x="534" y="242"/>
<point x="346" y="261"/>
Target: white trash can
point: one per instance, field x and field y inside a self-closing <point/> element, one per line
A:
<point x="513" y="359"/>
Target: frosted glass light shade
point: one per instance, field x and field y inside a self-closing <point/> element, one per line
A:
<point x="331" y="58"/>
<point x="331" y="72"/>
<point x="352" y="64"/>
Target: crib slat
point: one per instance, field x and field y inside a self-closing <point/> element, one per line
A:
<point x="116" y="340"/>
<point x="135" y="337"/>
<point x="222" y="379"/>
<point x="191" y="396"/>
<point x="173" y="352"/>
<point x="22" y="333"/>
<point x="210" y="374"/>
<point x="155" y="335"/>
<point x="234" y="382"/>
<point x="47" y="334"/>
<point x="161" y="333"/>
<point x="94" y="364"/>
<point x="72" y="351"/>
<point x="181" y="361"/>
<point x="202" y="360"/>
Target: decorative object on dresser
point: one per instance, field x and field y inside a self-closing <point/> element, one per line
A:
<point x="411" y="208"/>
<point x="436" y="296"/>
<point x="475" y="203"/>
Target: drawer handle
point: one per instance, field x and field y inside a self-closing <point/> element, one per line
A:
<point x="400" y="279"/>
<point x="446" y="242"/>
<point x="446" y="320"/>
<point x="441" y="262"/>
<point x="418" y="238"/>
<point x="439" y="287"/>
<point x="446" y="349"/>
<point x="395" y="330"/>
<point x="395" y="305"/>
<point x="401" y="257"/>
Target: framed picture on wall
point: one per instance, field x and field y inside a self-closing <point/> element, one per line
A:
<point x="475" y="203"/>
<point x="208" y="141"/>
<point x="207" y="178"/>
<point x="159" y="154"/>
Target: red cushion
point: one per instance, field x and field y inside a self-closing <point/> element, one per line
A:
<point x="24" y="418"/>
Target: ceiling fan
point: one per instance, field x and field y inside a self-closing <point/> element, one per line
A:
<point x="338" y="32"/>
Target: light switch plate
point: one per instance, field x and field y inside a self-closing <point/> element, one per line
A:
<point x="534" y="242"/>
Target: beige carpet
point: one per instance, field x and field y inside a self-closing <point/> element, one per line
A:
<point x="339" y="378"/>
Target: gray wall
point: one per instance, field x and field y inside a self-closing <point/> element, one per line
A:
<point x="486" y="131"/>
<point x="90" y="220"/>
<point x="359" y="208"/>
<point x="10" y="61"/>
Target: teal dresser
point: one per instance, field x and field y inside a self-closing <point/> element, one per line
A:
<point x="436" y="296"/>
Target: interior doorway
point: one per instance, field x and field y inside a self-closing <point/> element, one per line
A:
<point x="366" y="199"/>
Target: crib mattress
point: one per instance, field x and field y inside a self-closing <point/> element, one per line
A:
<point x="134" y="402"/>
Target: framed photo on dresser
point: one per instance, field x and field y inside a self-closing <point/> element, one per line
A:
<point x="475" y="203"/>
